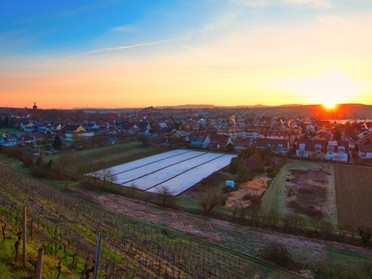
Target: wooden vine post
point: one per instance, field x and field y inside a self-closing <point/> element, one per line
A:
<point x="39" y="266"/>
<point x="24" y="258"/>
<point x="31" y="224"/>
<point x="96" y="262"/>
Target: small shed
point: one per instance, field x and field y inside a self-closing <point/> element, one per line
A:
<point x="230" y="183"/>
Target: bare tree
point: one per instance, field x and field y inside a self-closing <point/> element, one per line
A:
<point x="165" y="196"/>
<point x="107" y="177"/>
<point x="208" y="199"/>
<point x="133" y="188"/>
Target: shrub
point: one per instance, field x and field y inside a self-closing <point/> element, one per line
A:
<point x="234" y="165"/>
<point x="279" y="254"/>
<point x="365" y="235"/>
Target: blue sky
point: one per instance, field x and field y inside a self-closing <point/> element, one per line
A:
<point x="28" y="27"/>
<point x="205" y="47"/>
<point x="52" y="26"/>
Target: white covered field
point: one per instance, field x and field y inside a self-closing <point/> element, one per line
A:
<point x="177" y="170"/>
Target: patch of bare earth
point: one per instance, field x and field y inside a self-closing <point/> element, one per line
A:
<point x="175" y="219"/>
<point x="307" y="190"/>
<point x="353" y="196"/>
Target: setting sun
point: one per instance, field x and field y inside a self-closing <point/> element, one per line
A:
<point x="329" y="105"/>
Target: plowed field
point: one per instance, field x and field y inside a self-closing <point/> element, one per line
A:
<point x="353" y="196"/>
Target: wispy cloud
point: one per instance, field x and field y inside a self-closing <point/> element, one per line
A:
<point x="11" y="35"/>
<point x="252" y="3"/>
<point x="125" y="29"/>
<point x="217" y="24"/>
<point x="19" y="38"/>
<point x="322" y="4"/>
<point x="110" y="49"/>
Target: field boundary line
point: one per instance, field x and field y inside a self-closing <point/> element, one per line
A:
<point x="185" y="171"/>
<point x="187" y="151"/>
<point x="164" y="168"/>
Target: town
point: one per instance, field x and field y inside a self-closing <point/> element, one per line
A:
<point x="223" y="129"/>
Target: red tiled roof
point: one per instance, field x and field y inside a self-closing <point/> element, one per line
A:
<point x="365" y="148"/>
<point x="266" y="142"/>
<point x="242" y="141"/>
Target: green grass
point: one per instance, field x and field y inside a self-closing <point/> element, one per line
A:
<point x="272" y="197"/>
<point x="95" y="159"/>
<point x="10" y="130"/>
<point x="187" y="202"/>
<point x="81" y="220"/>
<point x="240" y="241"/>
<point x="104" y="151"/>
<point x="13" y="269"/>
<point x="111" y="148"/>
<point x="349" y="263"/>
<point x="346" y="256"/>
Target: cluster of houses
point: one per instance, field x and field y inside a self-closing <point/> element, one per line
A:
<point x="216" y="129"/>
<point x="304" y="148"/>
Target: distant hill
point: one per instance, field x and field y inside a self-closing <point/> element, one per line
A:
<point x="343" y="111"/>
<point x="189" y="106"/>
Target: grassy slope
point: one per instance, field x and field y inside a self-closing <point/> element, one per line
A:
<point x="147" y="238"/>
<point x="12" y="268"/>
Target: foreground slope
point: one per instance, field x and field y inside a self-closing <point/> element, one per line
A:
<point x="67" y="225"/>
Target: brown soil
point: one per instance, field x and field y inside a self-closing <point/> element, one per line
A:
<point x="175" y="219"/>
<point x="308" y="189"/>
<point x="353" y="196"/>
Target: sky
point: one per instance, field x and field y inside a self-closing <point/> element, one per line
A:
<point x="139" y="53"/>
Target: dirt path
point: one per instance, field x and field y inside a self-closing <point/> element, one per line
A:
<point x="241" y="238"/>
<point x="207" y="228"/>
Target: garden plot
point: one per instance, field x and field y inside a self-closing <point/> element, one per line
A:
<point x="177" y="170"/>
<point x="304" y="188"/>
<point x="145" y="182"/>
<point x="185" y="180"/>
<point x="145" y="161"/>
<point x="138" y="172"/>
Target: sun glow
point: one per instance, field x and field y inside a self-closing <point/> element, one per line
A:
<point x="327" y="90"/>
<point x="329" y="105"/>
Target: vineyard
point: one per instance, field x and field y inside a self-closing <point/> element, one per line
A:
<point x="67" y="227"/>
<point x="145" y="240"/>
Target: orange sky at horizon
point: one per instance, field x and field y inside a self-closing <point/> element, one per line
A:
<point x="326" y="61"/>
